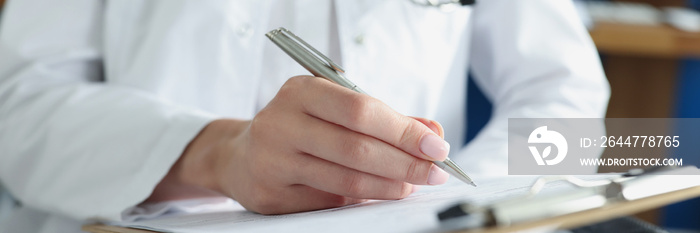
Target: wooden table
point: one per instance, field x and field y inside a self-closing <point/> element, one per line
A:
<point x="639" y="40"/>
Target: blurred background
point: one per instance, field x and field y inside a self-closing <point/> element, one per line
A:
<point x="650" y="51"/>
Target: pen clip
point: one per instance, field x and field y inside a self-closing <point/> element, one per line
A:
<point x="311" y="50"/>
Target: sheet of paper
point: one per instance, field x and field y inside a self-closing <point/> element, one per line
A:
<point x="416" y="213"/>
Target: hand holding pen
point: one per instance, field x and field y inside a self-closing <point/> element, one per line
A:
<point x="316" y="145"/>
<point x="321" y="66"/>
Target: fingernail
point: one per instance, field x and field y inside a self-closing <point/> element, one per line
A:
<point x="433" y="146"/>
<point x="415" y="188"/>
<point x="437" y="176"/>
<point x="434" y="127"/>
<point x="437" y="128"/>
<point x="356" y="201"/>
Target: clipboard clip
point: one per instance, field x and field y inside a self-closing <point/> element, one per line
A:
<point x="535" y="205"/>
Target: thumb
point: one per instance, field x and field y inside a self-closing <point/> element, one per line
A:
<point x="433" y="125"/>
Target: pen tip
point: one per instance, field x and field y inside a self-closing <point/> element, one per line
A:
<point x="472" y="183"/>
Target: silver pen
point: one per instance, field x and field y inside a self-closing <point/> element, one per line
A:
<point x="321" y="66"/>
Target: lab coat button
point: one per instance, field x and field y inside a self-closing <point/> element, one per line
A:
<point x="360" y="39"/>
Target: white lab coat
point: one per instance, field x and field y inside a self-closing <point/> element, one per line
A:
<point x="99" y="98"/>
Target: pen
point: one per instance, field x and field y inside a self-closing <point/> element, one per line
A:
<point x="322" y="66"/>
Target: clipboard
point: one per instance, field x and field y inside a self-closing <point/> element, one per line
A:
<point x="631" y="193"/>
<point x="610" y="211"/>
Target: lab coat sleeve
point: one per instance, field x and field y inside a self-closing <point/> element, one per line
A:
<point x="71" y="143"/>
<point x="532" y="59"/>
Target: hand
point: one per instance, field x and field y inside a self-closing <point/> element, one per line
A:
<point x="315" y="145"/>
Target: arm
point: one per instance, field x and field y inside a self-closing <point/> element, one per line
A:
<point x="70" y="141"/>
<point x="532" y="59"/>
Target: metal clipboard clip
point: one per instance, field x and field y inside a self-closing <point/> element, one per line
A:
<point x="536" y="205"/>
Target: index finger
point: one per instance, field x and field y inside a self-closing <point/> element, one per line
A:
<point x="362" y="113"/>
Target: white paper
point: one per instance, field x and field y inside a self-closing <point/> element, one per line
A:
<point x="416" y="213"/>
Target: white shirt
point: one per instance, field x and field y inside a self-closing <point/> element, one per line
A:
<point x="99" y="98"/>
